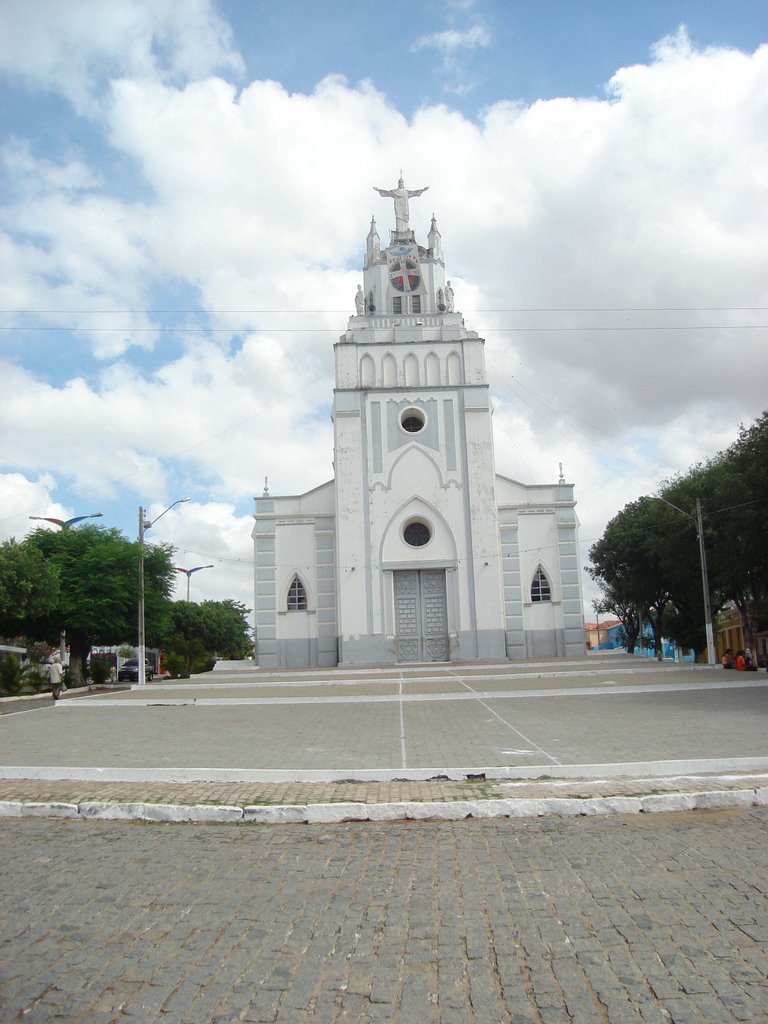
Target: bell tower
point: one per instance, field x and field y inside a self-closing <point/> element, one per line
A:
<point x="417" y="542"/>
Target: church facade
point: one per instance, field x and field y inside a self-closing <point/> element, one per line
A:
<point x="417" y="550"/>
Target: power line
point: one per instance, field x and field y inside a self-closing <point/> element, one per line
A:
<point x="334" y="330"/>
<point x="505" y="309"/>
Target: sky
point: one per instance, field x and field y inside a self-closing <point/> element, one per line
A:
<point x="185" y="192"/>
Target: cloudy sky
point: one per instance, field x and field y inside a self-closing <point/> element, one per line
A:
<point x="186" y="189"/>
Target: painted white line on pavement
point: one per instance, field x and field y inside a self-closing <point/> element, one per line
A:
<point x="480" y="695"/>
<point x="493" y="773"/>
<point x="509" y="725"/>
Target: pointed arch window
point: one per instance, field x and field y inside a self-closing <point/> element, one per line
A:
<point x="297" y="596"/>
<point x="540" y="588"/>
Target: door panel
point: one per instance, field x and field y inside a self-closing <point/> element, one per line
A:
<point x="421" y="615"/>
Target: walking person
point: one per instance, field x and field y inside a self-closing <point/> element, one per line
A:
<point x="56" y="677"/>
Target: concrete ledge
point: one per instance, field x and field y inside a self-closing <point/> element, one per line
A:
<point x="335" y="813"/>
<point x="275" y="815"/>
<point x="102" y="810"/>
<point x="729" y="798"/>
<point x="213" y="813"/>
<point x="614" y="805"/>
<point x="48" y="810"/>
<point x="328" y="813"/>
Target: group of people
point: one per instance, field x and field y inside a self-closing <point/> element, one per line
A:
<point x="742" y="662"/>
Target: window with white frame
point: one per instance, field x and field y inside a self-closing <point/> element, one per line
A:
<point x="297" y="596"/>
<point x="540" y="588"/>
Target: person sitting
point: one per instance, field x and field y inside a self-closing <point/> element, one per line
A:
<point x="749" y="665"/>
<point x="741" y="661"/>
<point x="727" y="659"/>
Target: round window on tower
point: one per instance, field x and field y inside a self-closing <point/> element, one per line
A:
<point x="413" y="421"/>
<point x="417" y="533"/>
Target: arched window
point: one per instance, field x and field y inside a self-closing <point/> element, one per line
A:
<point x="389" y="371"/>
<point x="433" y="369"/>
<point x="540" y="589"/>
<point x="411" y="371"/>
<point x="454" y="368"/>
<point x="367" y="372"/>
<point x="297" y="596"/>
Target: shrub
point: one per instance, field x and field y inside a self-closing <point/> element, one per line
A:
<point x="99" y="671"/>
<point x="15" y="677"/>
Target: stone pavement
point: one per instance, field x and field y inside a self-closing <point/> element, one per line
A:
<point x="648" y="919"/>
<point x="583" y="737"/>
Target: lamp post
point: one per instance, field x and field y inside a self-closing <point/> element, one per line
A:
<point x="65" y="523"/>
<point x="188" y="573"/>
<point x="145" y="524"/>
<point x="704" y="580"/>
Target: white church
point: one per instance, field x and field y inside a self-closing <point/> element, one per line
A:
<point x="416" y="550"/>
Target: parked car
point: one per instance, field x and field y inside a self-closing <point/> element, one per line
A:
<point x="129" y="671"/>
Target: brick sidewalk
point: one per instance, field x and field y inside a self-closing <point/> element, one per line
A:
<point x="292" y="802"/>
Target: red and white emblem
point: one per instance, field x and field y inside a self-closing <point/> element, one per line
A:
<point x="404" y="272"/>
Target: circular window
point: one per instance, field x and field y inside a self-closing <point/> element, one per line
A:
<point x="412" y="420"/>
<point x="417" y="534"/>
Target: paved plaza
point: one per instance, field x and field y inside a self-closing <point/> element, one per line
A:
<point x="502" y="720"/>
<point x="539" y="902"/>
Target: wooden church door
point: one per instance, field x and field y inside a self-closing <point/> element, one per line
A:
<point x="421" y="615"/>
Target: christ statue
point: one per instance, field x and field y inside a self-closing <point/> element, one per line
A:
<point x="401" y="195"/>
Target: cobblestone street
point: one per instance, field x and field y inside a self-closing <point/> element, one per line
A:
<point x="648" y="919"/>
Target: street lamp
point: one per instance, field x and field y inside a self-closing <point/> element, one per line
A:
<point x="64" y="523"/>
<point x="704" y="582"/>
<point x="188" y="573"/>
<point x="145" y="524"/>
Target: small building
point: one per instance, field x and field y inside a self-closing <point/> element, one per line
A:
<point x="417" y="549"/>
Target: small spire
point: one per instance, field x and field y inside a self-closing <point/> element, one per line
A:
<point x="266" y="487"/>
<point x="562" y="478"/>
<point x="373" y="244"/>
<point x="434" y="240"/>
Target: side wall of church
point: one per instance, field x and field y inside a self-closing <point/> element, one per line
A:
<point x="290" y="546"/>
<point x="538" y="530"/>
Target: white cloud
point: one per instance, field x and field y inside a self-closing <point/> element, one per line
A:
<point x="451" y="40"/>
<point x="455" y="45"/>
<point x="73" y="48"/>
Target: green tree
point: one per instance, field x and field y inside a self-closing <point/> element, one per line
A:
<point x="98" y="570"/>
<point x="739" y="525"/>
<point x="201" y="632"/>
<point x="29" y="587"/>
<point x="629" y="563"/>
<point x="228" y="633"/>
<point x="648" y="557"/>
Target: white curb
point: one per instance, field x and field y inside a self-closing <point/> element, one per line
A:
<point x="334" y="813"/>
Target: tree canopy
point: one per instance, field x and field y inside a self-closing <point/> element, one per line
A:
<point x="85" y="581"/>
<point x="196" y="634"/>
<point x="93" y="575"/>
<point x="647" y="561"/>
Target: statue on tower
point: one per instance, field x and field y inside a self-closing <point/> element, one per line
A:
<point x="401" y="195"/>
